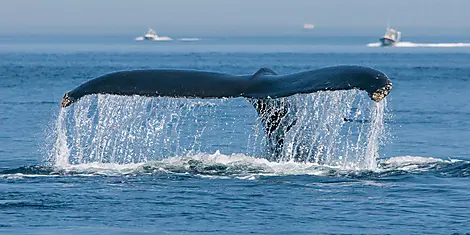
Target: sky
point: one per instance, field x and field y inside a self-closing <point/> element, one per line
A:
<point x="228" y="16"/>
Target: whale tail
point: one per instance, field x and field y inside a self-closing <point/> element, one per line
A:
<point x="265" y="89"/>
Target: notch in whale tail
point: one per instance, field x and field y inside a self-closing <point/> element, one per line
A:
<point x="264" y="71"/>
<point x="272" y="112"/>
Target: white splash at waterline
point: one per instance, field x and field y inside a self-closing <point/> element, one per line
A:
<point x="108" y="129"/>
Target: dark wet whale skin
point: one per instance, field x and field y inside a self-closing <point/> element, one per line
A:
<point x="263" y="84"/>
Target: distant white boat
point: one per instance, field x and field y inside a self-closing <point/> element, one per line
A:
<point x="390" y="38"/>
<point x="152" y="35"/>
<point x="309" y="26"/>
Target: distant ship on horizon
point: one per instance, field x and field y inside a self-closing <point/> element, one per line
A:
<point x="390" y="38"/>
<point x="152" y="35"/>
<point x="309" y="26"/>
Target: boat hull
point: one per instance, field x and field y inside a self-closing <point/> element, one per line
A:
<point x="387" y="42"/>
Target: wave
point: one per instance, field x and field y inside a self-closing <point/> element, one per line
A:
<point x="218" y="165"/>
<point x="411" y="44"/>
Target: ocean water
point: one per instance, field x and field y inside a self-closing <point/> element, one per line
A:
<point x="135" y="165"/>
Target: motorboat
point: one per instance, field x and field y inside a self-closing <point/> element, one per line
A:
<point x="390" y="38"/>
<point x="150" y="35"/>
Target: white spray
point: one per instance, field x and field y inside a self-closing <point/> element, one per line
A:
<point x="123" y="130"/>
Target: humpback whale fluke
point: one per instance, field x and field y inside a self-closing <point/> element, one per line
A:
<point x="265" y="89"/>
<point x="263" y="84"/>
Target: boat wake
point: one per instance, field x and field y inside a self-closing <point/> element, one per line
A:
<point x="241" y="166"/>
<point x="167" y="39"/>
<point x="154" y="39"/>
<point x="411" y="44"/>
<point x="188" y="39"/>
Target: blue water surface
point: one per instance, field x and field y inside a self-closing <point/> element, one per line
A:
<point x="420" y="186"/>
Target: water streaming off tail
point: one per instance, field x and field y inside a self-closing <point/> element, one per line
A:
<point x="323" y="136"/>
<point x="117" y="129"/>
